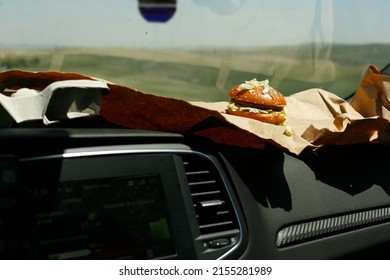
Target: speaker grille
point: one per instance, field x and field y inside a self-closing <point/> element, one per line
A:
<point x="324" y="227"/>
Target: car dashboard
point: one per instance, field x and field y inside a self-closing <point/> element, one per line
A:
<point x="118" y="193"/>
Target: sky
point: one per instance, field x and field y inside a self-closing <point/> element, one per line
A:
<point x="196" y="23"/>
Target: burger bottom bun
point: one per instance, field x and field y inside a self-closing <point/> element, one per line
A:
<point x="275" y="117"/>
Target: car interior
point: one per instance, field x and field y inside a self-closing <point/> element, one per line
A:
<point x="92" y="188"/>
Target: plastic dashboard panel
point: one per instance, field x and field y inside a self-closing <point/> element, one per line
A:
<point x="316" y="201"/>
<point x="346" y="189"/>
<point x="114" y="194"/>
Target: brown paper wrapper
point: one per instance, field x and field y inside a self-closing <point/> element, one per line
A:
<point x="316" y="117"/>
<point x="372" y="98"/>
<point x="319" y="118"/>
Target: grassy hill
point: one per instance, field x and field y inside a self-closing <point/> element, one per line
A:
<point x="208" y="75"/>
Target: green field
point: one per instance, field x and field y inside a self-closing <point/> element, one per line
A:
<point x="208" y="75"/>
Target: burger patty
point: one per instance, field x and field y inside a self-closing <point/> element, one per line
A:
<point x="258" y="106"/>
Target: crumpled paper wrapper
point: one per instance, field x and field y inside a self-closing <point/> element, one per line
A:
<point x="320" y="118"/>
<point x="372" y="98"/>
<point x="316" y="117"/>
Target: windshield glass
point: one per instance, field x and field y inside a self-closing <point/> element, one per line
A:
<point x="199" y="49"/>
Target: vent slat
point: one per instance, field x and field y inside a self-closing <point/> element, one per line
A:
<point x="216" y="224"/>
<point x="205" y="193"/>
<point x="201" y="172"/>
<point x="210" y="203"/>
<point x="213" y="208"/>
<point x="202" y="183"/>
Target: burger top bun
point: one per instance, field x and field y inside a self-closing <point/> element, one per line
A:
<point x="257" y="94"/>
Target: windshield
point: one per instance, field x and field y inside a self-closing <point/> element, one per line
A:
<point x="199" y="49"/>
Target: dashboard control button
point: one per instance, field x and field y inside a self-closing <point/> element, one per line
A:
<point x="219" y="243"/>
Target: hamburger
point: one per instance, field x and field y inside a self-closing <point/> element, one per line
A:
<point x="257" y="100"/>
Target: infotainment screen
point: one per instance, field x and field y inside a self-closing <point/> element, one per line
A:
<point x="105" y="218"/>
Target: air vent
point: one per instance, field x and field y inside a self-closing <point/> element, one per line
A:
<point x="213" y="206"/>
